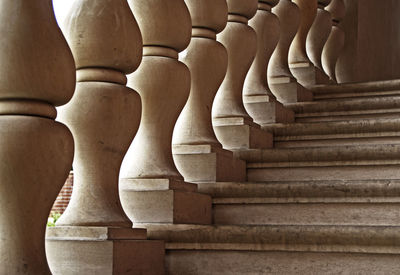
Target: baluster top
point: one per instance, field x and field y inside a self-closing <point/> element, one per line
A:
<point x="246" y="8"/>
<point x="324" y="3"/>
<point x="164" y="23"/>
<point x="337" y="9"/>
<point x="103" y="34"/>
<point x="211" y="14"/>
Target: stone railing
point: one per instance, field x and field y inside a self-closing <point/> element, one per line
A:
<point x="238" y="66"/>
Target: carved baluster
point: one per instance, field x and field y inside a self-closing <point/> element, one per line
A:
<point x="319" y="33"/>
<point x="300" y="65"/>
<point x="103" y="116"/>
<point x="36" y="74"/>
<point x="281" y="81"/>
<point x="259" y="101"/>
<point x="152" y="189"/>
<point x="234" y="128"/>
<point x="197" y="153"/>
<point x="336" y="39"/>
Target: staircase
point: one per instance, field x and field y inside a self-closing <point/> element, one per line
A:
<point x="323" y="200"/>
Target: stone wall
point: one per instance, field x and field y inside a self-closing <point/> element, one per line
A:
<point x="372" y="48"/>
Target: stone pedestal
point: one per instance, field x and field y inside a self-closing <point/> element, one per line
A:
<point x="103" y="250"/>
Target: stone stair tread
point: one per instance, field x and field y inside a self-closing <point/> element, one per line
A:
<point x="303" y="189"/>
<point x="378" y="152"/>
<point x="335" y="127"/>
<point x="340" y="238"/>
<point x="383" y="85"/>
<point x="346" y="104"/>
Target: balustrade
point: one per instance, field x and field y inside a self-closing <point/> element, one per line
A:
<point x="259" y="101"/>
<point x="336" y="39"/>
<point x="281" y="81"/>
<point x="36" y="74"/>
<point x="197" y="152"/>
<point x="103" y="117"/>
<point x="152" y="189"/>
<point x="233" y="126"/>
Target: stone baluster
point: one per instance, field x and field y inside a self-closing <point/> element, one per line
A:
<point x="299" y="63"/>
<point x="197" y="152"/>
<point x="258" y="99"/>
<point x="103" y="117"/>
<point x="319" y="34"/>
<point x="152" y="189"/>
<point x="335" y="43"/>
<point x="281" y="81"/>
<point x="233" y="126"/>
<point x="36" y="74"/>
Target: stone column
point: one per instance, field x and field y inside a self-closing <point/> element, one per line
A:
<point x="299" y="63"/>
<point x="336" y="39"/>
<point x="152" y="189"/>
<point x="281" y="81"/>
<point x="234" y="128"/>
<point x="36" y="74"/>
<point x="103" y="117"/>
<point x="197" y="152"/>
<point x="259" y="101"/>
<point x="319" y="34"/>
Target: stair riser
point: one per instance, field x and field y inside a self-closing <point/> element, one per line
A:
<point x="308" y="213"/>
<point x="246" y="262"/>
<point x="324" y="173"/>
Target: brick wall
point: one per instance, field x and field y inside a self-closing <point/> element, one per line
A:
<point x="64" y="196"/>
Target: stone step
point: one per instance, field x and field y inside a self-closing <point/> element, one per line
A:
<point x="311" y="202"/>
<point x="352" y="90"/>
<point x="379" y="154"/>
<point x="374" y="127"/>
<point x="274" y="249"/>
<point x="348" y="115"/>
<point x="369" y="105"/>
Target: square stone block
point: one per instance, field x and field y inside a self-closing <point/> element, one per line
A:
<point x="207" y="163"/>
<point x="287" y="90"/>
<point x="102" y="250"/>
<point x="166" y="206"/>
<point x="237" y="134"/>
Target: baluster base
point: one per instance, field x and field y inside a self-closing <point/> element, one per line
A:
<point x="208" y="163"/>
<point x="164" y="201"/>
<point x="288" y="90"/>
<point x="238" y="133"/>
<point x="308" y="75"/>
<point x="265" y="111"/>
<point x="102" y="250"/>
